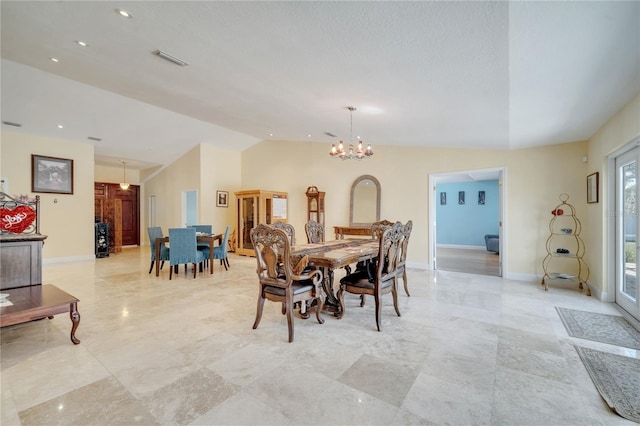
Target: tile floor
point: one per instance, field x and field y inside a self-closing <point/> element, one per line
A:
<point x="468" y="349"/>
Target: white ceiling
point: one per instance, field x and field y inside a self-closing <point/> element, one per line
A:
<point x="479" y="74"/>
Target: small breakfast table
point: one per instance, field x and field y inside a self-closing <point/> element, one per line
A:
<point x="211" y="239"/>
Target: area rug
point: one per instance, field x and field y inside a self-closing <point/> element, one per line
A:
<point x="617" y="379"/>
<point x="611" y="329"/>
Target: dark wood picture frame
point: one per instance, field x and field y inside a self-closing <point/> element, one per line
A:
<point x="51" y="174"/>
<point x="222" y="198"/>
<point x="593" y="188"/>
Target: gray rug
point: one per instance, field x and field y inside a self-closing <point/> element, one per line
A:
<point x="611" y="329"/>
<point x="617" y="379"/>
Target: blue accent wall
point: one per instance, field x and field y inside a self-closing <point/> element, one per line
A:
<point x="466" y="224"/>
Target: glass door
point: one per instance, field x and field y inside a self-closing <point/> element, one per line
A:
<point x="627" y="220"/>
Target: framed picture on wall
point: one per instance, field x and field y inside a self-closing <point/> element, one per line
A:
<point x="593" y="183"/>
<point x="51" y="174"/>
<point x="222" y="198"/>
<point x="481" y="198"/>
<point x="461" y="197"/>
<point x="443" y="198"/>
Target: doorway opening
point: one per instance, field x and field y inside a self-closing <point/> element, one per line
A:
<point x="466" y="233"/>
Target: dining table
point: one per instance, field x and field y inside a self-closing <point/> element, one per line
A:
<point x="331" y="255"/>
<point x="211" y="239"/>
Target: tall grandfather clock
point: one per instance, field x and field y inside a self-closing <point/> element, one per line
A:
<point x="315" y="205"/>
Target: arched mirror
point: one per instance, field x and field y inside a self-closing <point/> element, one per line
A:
<point x="365" y="201"/>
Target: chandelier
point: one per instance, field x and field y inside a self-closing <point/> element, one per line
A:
<point x="124" y="185"/>
<point x="351" y="153"/>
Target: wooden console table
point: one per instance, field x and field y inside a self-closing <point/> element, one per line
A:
<point x="37" y="302"/>
<point x="341" y="231"/>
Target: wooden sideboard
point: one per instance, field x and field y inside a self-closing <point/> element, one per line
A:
<point x="341" y="231"/>
<point x="20" y="260"/>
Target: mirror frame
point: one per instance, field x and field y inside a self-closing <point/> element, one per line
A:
<point x="353" y="187"/>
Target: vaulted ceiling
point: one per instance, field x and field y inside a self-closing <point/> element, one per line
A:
<point x="482" y="74"/>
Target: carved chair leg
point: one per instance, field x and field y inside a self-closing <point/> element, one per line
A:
<point x="378" y="311"/>
<point x="259" y="311"/>
<point x="404" y="280"/>
<point x="394" y="293"/>
<point x="290" y="319"/>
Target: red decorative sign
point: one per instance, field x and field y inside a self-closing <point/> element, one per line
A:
<point x="16" y="220"/>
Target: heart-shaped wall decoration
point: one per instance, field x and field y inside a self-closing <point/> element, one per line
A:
<point x="16" y="220"/>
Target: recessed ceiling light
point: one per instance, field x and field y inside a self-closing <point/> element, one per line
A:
<point x="60" y="126"/>
<point x="270" y="134"/>
<point x="309" y="135"/>
<point x="81" y="43"/>
<point x="54" y="59"/>
<point x="124" y="13"/>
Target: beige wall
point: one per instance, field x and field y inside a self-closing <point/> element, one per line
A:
<point x="620" y="131"/>
<point x="206" y="169"/>
<point x="114" y="174"/>
<point x="67" y="219"/>
<point x="534" y="179"/>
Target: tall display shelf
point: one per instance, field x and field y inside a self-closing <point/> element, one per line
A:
<point x="565" y="249"/>
<point x="256" y="207"/>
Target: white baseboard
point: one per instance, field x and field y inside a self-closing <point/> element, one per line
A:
<point x="55" y="260"/>
<point x="461" y="247"/>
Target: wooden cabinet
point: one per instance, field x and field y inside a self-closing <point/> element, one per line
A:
<point x="315" y="205"/>
<point x="126" y="231"/>
<point x="256" y="207"/>
<point x="20" y="260"/>
<point x="565" y="249"/>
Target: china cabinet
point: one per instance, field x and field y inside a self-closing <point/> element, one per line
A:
<point x="565" y="249"/>
<point x="256" y="207"/>
<point x="315" y="205"/>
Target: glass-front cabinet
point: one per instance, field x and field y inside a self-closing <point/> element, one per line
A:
<point x="315" y="205"/>
<point x="255" y="207"/>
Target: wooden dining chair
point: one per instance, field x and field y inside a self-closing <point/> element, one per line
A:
<point x="314" y="231"/>
<point x="385" y="279"/>
<point x="402" y="263"/>
<point x="377" y="228"/>
<point x="184" y="249"/>
<point x="288" y="229"/>
<point x="276" y="277"/>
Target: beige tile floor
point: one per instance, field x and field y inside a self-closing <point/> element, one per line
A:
<point x="468" y="349"/>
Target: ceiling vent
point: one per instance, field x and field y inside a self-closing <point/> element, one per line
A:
<point x="92" y="138"/>
<point x="330" y="134"/>
<point x="170" y="58"/>
<point x="9" y="123"/>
